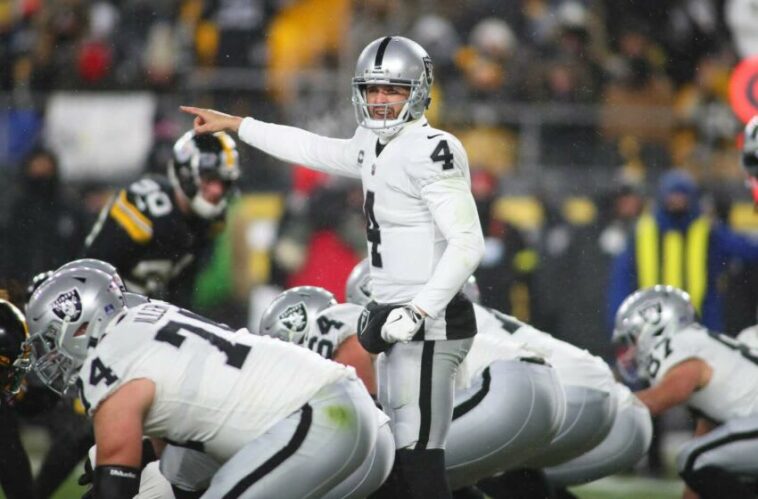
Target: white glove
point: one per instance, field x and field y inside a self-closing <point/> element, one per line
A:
<point x="401" y="324"/>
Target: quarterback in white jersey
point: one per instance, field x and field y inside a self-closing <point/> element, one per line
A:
<point x="423" y="234"/>
<point x="714" y="375"/>
<point x="258" y="406"/>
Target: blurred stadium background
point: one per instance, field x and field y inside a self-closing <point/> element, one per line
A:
<point x="570" y="111"/>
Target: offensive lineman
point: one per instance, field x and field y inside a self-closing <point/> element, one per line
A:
<point x="155" y="231"/>
<point x="260" y="407"/>
<point x="713" y="374"/>
<point x="311" y="317"/>
<point x="424" y="239"/>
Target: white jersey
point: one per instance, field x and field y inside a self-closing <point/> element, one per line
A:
<point x="732" y="391"/>
<point x="488" y="348"/>
<point x="575" y="366"/>
<point x="424" y="237"/>
<point x="749" y="336"/>
<point x="332" y="327"/>
<point x="214" y="388"/>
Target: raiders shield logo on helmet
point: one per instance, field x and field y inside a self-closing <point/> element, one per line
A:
<point x="68" y="306"/>
<point x="428" y="69"/>
<point x="295" y="317"/>
<point x="652" y="314"/>
<point x="363" y="321"/>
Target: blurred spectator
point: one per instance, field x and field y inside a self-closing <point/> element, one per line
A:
<point x="505" y="272"/>
<point x="304" y="35"/>
<point x="241" y="28"/>
<point x="438" y="36"/>
<point x="638" y="99"/>
<point x="742" y="19"/>
<point x="321" y="242"/>
<point x="45" y="229"/>
<point x="491" y="62"/>
<point x="678" y="246"/>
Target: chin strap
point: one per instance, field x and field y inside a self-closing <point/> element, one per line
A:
<point x="206" y="209"/>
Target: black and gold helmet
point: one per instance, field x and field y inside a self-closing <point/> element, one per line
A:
<point x="196" y="157"/>
<point x="14" y="357"/>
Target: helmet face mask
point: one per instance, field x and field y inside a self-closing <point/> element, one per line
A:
<point x="290" y="315"/>
<point x="199" y="158"/>
<point x="392" y="61"/>
<point x="645" y="319"/>
<point x="67" y="316"/>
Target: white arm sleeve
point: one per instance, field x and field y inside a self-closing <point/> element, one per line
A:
<point x="294" y="145"/>
<point x="454" y="213"/>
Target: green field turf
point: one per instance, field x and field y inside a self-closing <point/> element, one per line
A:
<point x="622" y="487"/>
<point x="614" y="487"/>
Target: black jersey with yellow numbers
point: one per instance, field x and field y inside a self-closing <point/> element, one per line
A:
<point x="154" y="246"/>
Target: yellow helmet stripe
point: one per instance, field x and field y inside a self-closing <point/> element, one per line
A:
<point x="226" y="145"/>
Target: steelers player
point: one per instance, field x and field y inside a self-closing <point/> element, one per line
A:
<point x="156" y="230"/>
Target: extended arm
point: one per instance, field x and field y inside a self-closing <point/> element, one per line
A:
<point x="118" y="436"/>
<point x="454" y="211"/>
<point x="351" y="353"/>
<point x="289" y="144"/>
<point x="676" y="387"/>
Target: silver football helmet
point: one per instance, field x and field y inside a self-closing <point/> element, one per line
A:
<point x="358" y="285"/>
<point x="131" y="299"/>
<point x="645" y="318"/>
<point x="66" y="316"/>
<point x="95" y="264"/>
<point x="750" y="148"/>
<point x="290" y="314"/>
<point x="392" y="60"/>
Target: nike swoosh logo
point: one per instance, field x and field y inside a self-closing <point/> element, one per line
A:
<point x="396" y="319"/>
<point x="432" y="136"/>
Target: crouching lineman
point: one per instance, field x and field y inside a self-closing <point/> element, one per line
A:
<point x="605" y="429"/>
<point x="311" y="317"/>
<point x="714" y="375"/>
<point x="491" y="425"/>
<point x="259" y="407"/>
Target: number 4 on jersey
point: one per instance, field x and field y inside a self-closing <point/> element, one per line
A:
<point x="442" y="154"/>
<point x="99" y="372"/>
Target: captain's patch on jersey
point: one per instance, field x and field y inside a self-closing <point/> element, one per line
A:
<point x="295" y="317"/>
<point x="68" y="306"/>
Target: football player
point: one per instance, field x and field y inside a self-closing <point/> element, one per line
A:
<point x="423" y="235"/>
<point x="712" y="374"/>
<point x="258" y="406"/>
<point x="311" y="317"/>
<point x="492" y="429"/>
<point x="15" y="471"/>
<point x="155" y="231"/>
<point x="605" y="430"/>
